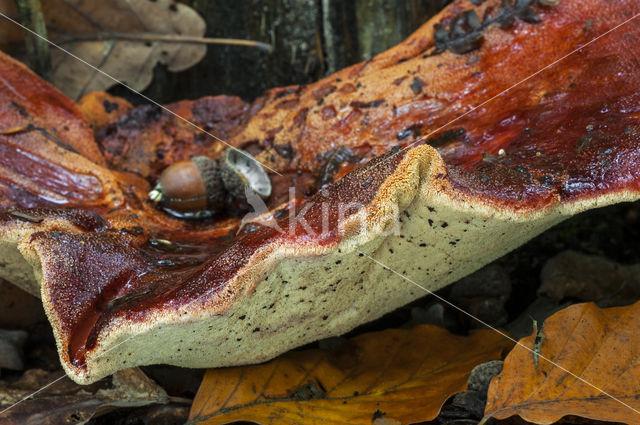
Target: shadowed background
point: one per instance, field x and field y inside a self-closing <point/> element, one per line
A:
<point x="311" y="39"/>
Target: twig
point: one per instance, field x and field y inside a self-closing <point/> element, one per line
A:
<point x="180" y="400"/>
<point x="30" y="13"/>
<point x="164" y="38"/>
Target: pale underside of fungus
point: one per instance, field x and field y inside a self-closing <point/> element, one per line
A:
<point x="125" y="284"/>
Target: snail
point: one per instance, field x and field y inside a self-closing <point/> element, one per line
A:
<point x="201" y="186"/>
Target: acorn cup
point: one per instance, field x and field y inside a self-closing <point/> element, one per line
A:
<point x="199" y="186"/>
<point x="240" y="170"/>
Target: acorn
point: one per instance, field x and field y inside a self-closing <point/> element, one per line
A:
<point x="200" y="186"/>
<point x="190" y="186"/>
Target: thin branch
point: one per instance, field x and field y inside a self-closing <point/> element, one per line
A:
<point x="180" y="400"/>
<point x="31" y="17"/>
<point x="164" y="38"/>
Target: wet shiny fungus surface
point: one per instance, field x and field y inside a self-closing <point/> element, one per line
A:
<point x="134" y="281"/>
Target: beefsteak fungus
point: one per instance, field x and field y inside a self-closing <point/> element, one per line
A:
<point x="125" y="284"/>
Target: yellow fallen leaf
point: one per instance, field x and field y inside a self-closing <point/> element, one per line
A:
<point x="400" y="375"/>
<point x="600" y="346"/>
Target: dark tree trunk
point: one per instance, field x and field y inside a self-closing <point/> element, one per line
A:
<point x="39" y="60"/>
<point x="311" y="38"/>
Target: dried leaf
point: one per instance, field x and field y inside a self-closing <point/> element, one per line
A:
<point x="129" y="61"/>
<point x="402" y="375"/>
<point x="68" y="403"/>
<point x="601" y="346"/>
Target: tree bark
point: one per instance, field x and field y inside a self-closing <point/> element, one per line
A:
<point x="382" y="24"/>
<point x="30" y="13"/>
<point x="310" y="39"/>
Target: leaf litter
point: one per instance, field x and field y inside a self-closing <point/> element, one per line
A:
<point x="132" y="62"/>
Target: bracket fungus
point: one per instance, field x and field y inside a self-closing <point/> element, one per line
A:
<point x="125" y="284"/>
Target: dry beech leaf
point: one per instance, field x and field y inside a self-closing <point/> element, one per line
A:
<point x="404" y="375"/>
<point x="129" y="61"/>
<point x="601" y="346"/>
<point x="68" y="403"/>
